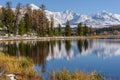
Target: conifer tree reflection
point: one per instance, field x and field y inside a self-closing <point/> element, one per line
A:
<point x="11" y="49"/>
<point x="59" y="45"/>
<point x="52" y="44"/>
<point x="68" y="46"/>
<point x="40" y="52"/>
<point x="85" y="44"/>
<point x="4" y="47"/>
<point x="15" y="49"/>
<point x="80" y="45"/>
<point x="22" y="48"/>
<point x="27" y="49"/>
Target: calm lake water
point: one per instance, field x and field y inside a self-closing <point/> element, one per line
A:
<point x="100" y="55"/>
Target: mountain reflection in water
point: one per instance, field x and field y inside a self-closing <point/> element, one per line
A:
<point x="85" y="55"/>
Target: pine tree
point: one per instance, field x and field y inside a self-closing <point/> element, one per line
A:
<point x="47" y="28"/>
<point x="50" y="33"/>
<point x="3" y="15"/>
<point x="27" y="23"/>
<point x="29" y="12"/>
<point x="17" y="18"/>
<point x="9" y="18"/>
<point x="3" y="20"/>
<point x="67" y="29"/>
<point x="42" y="23"/>
<point x="52" y="26"/>
<point x="85" y="30"/>
<point x="59" y="30"/>
<point x="36" y="21"/>
<point x="21" y="27"/>
<point x="79" y="29"/>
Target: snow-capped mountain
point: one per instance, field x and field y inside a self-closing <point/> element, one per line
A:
<point x="101" y="19"/>
<point x="105" y="18"/>
<point x="33" y="6"/>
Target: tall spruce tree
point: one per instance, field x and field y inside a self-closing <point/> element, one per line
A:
<point x="85" y="30"/>
<point x="59" y="30"/>
<point x="47" y="28"/>
<point x="27" y="23"/>
<point x="3" y="20"/>
<point x="52" y="26"/>
<point x="3" y="15"/>
<point x="8" y="17"/>
<point x="43" y="21"/>
<point x="68" y="29"/>
<point x="17" y="18"/>
<point x="21" y="27"/>
<point x="79" y="29"/>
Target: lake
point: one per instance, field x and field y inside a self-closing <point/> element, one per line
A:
<point x="100" y="55"/>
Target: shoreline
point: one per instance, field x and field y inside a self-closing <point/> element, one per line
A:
<point x="57" y="38"/>
<point x="50" y="38"/>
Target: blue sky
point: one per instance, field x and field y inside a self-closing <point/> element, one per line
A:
<point x="79" y="6"/>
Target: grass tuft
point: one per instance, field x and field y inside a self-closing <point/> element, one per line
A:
<point x="78" y="75"/>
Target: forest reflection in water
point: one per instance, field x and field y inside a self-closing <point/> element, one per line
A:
<point x="47" y="53"/>
<point x="39" y="50"/>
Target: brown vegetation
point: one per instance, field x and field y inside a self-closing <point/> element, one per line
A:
<point x="66" y="75"/>
<point x="21" y="67"/>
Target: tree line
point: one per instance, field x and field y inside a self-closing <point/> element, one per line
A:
<point x="22" y="21"/>
<point x="25" y="21"/>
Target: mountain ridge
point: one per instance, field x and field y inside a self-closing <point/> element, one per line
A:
<point x="98" y="20"/>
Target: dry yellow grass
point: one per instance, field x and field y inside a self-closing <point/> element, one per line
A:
<point x="22" y="67"/>
<point x="78" y="75"/>
<point x="16" y="65"/>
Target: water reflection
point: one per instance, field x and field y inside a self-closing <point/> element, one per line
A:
<point x="40" y="51"/>
<point x="68" y="47"/>
<point x="45" y="53"/>
<point x="80" y="45"/>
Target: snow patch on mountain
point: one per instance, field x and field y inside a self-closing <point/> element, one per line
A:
<point x="101" y="19"/>
<point x="33" y="6"/>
